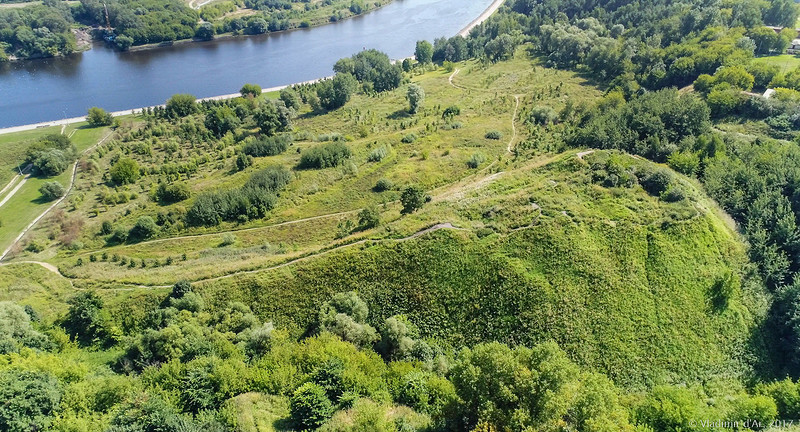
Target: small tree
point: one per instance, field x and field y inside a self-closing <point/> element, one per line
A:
<point x="415" y="96"/>
<point x="123" y="42"/>
<point x="424" y="52"/>
<point x="84" y="320"/>
<point x="310" y="407"/>
<point x="181" y="105"/>
<point x="368" y="218"/>
<point x="290" y="99"/>
<point x="144" y="228"/>
<point x="99" y="117"/>
<point x="413" y="198"/>
<point x="125" y="171"/>
<point x="52" y="190"/>
<point x="252" y="90"/>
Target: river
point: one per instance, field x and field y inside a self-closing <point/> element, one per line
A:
<point x="50" y="89"/>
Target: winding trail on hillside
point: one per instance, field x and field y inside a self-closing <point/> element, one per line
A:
<point x="440" y="226"/>
<point x="59" y="201"/>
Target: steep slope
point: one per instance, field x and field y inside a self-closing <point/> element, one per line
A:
<point x="638" y="288"/>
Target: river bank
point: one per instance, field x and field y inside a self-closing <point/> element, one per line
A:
<point x="60" y="90"/>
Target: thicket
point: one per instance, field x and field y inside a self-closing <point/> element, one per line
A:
<point x="51" y="155"/>
<point x="326" y="155"/>
<point x="252" y="201"/>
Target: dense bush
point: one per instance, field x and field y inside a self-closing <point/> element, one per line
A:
<point x="85" y="321"/>
<point x="99" y="117"/>
<point x="30" y="400"/>
<point x="52" y="190"/>
<point x="172" y="193"/>
<point x="412" y="198"/>
<point x="124" y="171"/>
<point x="144" y="228"/>
<point x="310" y="408"/>
<point x="326" y="155"/>
<point x="251" y="201"/>
<point x="51" y="154"/>
<point x="267" y="145"/>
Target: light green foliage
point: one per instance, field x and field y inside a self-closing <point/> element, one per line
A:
<point x="424" y="52"/>
<point x="125" y="171"/>
<point x="251" y="90"/>
<point x="16" y="330"/>
<point x="52" y="190"/>
<point x="416" y="97"/>
<point x="99" y="117"/>
<point x="345" y="315"/>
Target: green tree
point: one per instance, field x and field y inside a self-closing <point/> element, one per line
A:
<point x="290" y="99"/>
<point x="205" y="31"/>
<point x="181" y="105"/>
<point x="310" y="407"/>
<point x="424" y="52"/>
<point x="221" y="120"/>
<point x="84" y="321"/>
<point x="412" y="198"/>
<point x="51" y="162"/>
<point x="368" y="218"/>
<point x="415" y="96"/>
<point x="52" y="190"/>
<point x="736" y="76"/>
<point x="345" y="315"/>
<point x="99" y="117"/>
<point x="144" y="228"/>
<point x="272" y="118"/>
<point x="124" y="171"/>
<point x="29" y="400"/>
<point x="335" y="93"/>
<point x="123" y="42"/>
<point x="251" y="90"/>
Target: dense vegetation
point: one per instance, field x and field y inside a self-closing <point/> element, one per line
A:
<point x="417" y="263"/>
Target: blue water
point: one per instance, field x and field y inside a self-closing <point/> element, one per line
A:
<point x="50" y="89"/>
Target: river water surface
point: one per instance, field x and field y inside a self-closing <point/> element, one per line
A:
<point x="51" y="89"/>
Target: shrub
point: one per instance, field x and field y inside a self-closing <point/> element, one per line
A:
<point x="106" y="227"/>
<point x="415" y="96"/>
<point x="310" y="407"/>
<point x="181" y="288"/>
<point x="368" y="218"/>
<point x="684" y="162"/>
<point x="268" y="146"/>
<point x="413" y="198"/>
<point x="29" y="400"/>
<point x="324" y="156"/>
<point x="85" y="321"/>
<point x="181" y="105"/>
<point x="673" y="194"/>
<point x="476" y="160"/>
<point x="228" y="239"/>
<point x="494" y="135"/>
<point x="172" y="193"/>
<point x="120" y="235"/>
<point x="378" y="154"/>
<point x="243" y="161"/>
<point x="382" y="185"/>
<point x="656" y="182"/>
<point x="124" y="171"/>
<point x="543" y="115"/>
<point x="759" y="409"/>
<point x="410" y="138"/>
<point x="252" y="90"/>
<point x="451" y="112"/>
<point x="52" y="190"/>
<point x="144" y="228"/>
<point x="99" y="117"/>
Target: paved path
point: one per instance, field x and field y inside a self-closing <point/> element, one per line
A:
<point x="59" y="201"/>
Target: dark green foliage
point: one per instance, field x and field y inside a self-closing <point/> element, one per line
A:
<point x="383" y="185"/>
<point x="99" y="117"/>
<point x="85" y="321"/>
<point x="290" y="99"/>
<point x="310" y="407"/>
<point x="476" y="160"/>
<point x="144" y="21"/>
<point x="413" y="198"/>
<point x="144" y="228"/>
<point x="221" y="120"/>
<point x="181" y="105"/>
<point x="451" y="112"/>
<point x="336" y="92"/>
<point x="52" y="190"/>
<point x="369" y="218"/>
<point x="180" y="289"/>
<point x="251" y="90"/>
<point x="29" y="400"/>
<point x="424" y="52"/>
<point x="36" y="31"/>
<point x="173" y="192"/>
<point x="124" y="171"/>
<point x="205" y="31"/>
<point x="267" y="145"/>
<point x="372" y="68"/>
<point x="273" y="117"/>
<point x="326" y="155"/>
<point x="650" y="125"/>
<point x="253" y="200"/>
<point x="493" y="135"/>
<point x="243" y="161"/>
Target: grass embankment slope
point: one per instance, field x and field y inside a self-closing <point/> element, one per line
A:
<point x="622" y="280"/>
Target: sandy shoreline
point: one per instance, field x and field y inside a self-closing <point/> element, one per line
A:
<point x="464" y="32"/>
